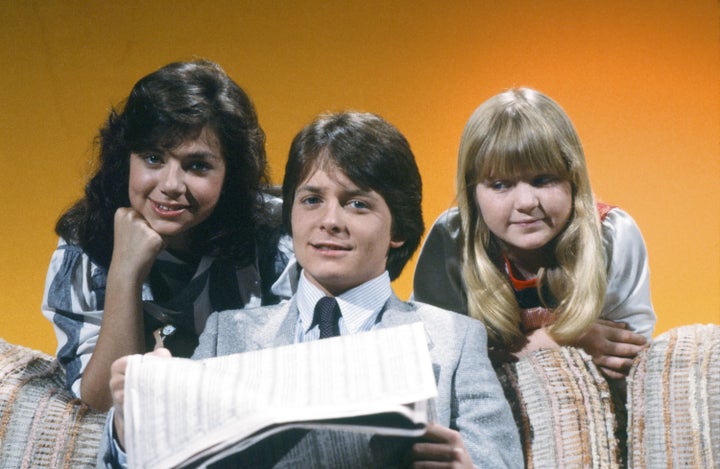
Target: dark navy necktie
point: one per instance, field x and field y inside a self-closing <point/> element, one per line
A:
<point x="327" y="315"/>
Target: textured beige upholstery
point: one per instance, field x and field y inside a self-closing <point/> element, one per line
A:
<point x="565" y="410"/>
<point x="674" y="400"/>
<point x="41" y="425"/>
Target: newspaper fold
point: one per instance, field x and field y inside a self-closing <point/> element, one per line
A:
<point x="181" y="412"/>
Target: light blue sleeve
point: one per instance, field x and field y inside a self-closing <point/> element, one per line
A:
<point x="110" y="455"/>
<point x="73" y="300"/>
<point x="627" y="298"/>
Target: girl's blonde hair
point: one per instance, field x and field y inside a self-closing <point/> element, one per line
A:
<point x="515" y="131"/>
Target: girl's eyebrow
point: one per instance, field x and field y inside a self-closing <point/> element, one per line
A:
<point x="143" y="151"/>
<point x="204" y="154"/>
<point x="200" y="154"/>
<point x="195" y="155"/>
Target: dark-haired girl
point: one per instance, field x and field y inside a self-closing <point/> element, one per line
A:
<point x="173" y="226"/>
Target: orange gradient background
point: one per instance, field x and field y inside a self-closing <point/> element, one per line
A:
<point x="638" y="79"/>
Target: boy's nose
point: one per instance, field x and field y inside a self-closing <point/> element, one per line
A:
<point x="332" y="217"/>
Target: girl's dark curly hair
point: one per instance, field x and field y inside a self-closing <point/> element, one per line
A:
<point x="163" y="109"/>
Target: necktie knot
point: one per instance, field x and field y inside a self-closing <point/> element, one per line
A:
<point x="327" y="315"/>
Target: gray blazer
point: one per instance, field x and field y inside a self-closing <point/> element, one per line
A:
<point x="470" y="398"/>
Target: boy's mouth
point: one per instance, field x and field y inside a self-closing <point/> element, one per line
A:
<point x="329" y="247"/>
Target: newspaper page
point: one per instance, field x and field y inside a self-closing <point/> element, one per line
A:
<point x="180" y="411"/>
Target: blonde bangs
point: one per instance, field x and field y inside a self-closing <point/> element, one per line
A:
<point x="516" y="147"/>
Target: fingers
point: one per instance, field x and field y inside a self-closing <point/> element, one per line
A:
<point x="126" y="218"/>
<point x="117" y="380"/>
<point x="117" y="369"/>
<point x="439" y="447"/>
<point x="444" y="457"/>
<point x="612" y="346"/>
<point x="436" y="433"/>
<point x="117" y="391"/>
<point x="117" y="375"/>
<point x="131" y="225"/>
<point x="160" y="352"/>
<point x="621" y="334"/>
<point x="612" y="374"/>
<point x="614" y="324"/>
<point x="135" y="245"/>
<point x="622" y="349"/>
<point x="609" y="338"/>
<point x="617" y="367"/>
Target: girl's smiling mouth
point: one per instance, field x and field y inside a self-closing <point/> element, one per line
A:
<point x="169" y="209"/>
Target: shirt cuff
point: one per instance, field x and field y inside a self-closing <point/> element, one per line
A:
<point x="117" y="454"/>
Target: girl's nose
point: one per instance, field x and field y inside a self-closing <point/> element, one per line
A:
<point x="172" y="179"/>
<point x="526" y="197"/>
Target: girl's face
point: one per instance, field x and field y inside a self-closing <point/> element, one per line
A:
<point x="526" y="211"/>
<point x="177" y="189"/>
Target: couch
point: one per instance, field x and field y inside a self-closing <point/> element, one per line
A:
<point x="568" y="415"/>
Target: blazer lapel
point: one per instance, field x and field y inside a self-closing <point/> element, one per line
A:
<point x="398" y="313"/>
<point x="266" y="327"/>
<point x="287" y="329"/>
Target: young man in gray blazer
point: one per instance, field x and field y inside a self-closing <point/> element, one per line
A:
<point x="352" y="202"/>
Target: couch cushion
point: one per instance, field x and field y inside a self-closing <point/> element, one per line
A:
<point x="563" y="408"/>
<point x="674" y="400"/>
<point x="41" y="424"/>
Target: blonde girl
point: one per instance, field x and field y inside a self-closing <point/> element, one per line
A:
<point x="528" y="250"/>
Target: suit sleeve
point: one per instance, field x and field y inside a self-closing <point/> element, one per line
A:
<point x="438" y="271"/>
<point x="481" y="413"/>
<point x="208" y="342"/>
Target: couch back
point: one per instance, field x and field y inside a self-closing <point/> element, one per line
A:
<point x="674" y="400"/>
<point x="41" y="424"/>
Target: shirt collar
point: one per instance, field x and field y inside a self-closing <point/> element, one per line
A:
<point x="518" y="284"/>
<point x="359" y="306"/>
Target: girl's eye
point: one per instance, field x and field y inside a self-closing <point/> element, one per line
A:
<point x="152" y="158"/>
<point x="358" y="204"/>
<point x="498" y="185"/>
<point x="200" y="166"/>
<point x="544" y="180"/>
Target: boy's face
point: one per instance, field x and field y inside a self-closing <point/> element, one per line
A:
<point x="341" y="233"/>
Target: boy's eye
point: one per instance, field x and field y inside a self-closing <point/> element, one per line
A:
<point x="310" y="200"/>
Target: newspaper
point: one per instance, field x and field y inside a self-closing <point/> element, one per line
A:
<point x="181" y="412"/>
